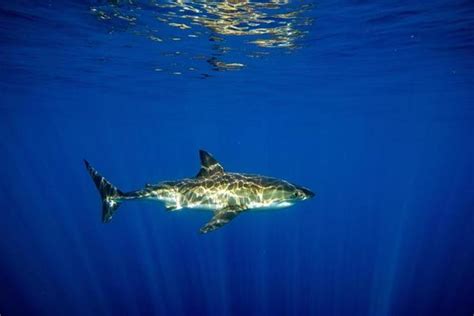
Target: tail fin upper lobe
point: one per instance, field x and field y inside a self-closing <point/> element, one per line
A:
<point x="109" y="194"/>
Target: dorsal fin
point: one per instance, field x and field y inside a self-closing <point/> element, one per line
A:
<point x="209" y="165"/>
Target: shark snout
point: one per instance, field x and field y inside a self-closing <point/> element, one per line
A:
<point x="306" y="193"/>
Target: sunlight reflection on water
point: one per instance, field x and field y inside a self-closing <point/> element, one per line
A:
<point x="234" y="29"/>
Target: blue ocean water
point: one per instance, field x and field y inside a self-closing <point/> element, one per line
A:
<point x="371" y="105"/>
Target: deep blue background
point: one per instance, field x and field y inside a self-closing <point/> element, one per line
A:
<point x="375" y="112"/>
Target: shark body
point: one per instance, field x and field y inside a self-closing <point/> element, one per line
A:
<point x="227" y="194"/>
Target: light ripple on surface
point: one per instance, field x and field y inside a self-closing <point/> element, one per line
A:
<point x="238" y="29"/>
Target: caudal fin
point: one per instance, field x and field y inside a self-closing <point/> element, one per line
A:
<point x="109" y="194"/>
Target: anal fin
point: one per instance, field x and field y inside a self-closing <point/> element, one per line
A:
<point x="220" y="218"/>
<point x="171" y="208"/>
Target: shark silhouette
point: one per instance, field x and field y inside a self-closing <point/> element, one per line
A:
<point x="227" y="194"/>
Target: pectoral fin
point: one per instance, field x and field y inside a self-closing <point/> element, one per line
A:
<point x="220" y="218"/>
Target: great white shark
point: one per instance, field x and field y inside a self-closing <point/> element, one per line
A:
<point x="226" y="194"/>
